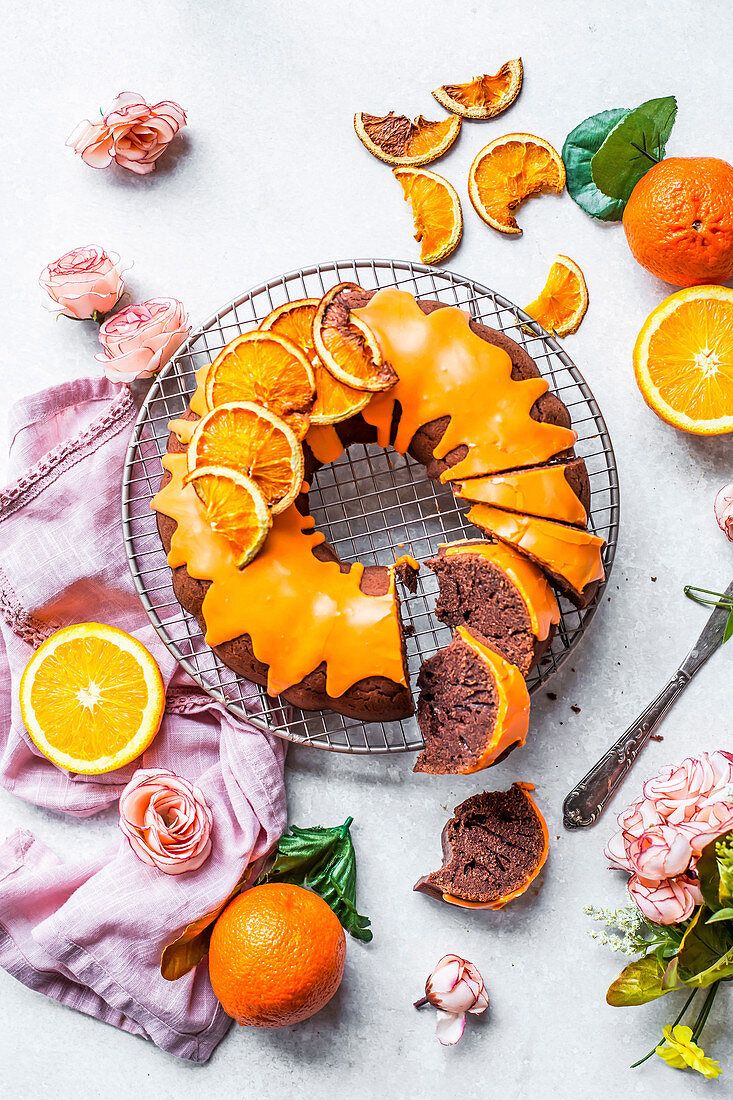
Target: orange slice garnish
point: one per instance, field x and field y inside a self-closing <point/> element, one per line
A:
<point x="268" y="369"/>
<point x="346" y="346"/>
<point x="398" y="141"/>
<point x="683" y="360"/>
<point x="563" y="300"/>
<point x="436" y="212"/>
<point x="507" y="171"/>
<point x="250" y="439"/>
<point x="334" y="400"/>
<point x="484" y="96"/>
<point x="91" y="698"/>
<point x="235" y="508"/>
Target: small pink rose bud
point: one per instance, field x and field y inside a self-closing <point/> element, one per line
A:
<point x="84" y="283"/>
<point x="724" y="510"/>
<point x="166" y="821"/>
<point x="455" y="987"/>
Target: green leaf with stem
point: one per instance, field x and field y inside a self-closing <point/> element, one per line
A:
<point x="640" y="982"/>
<point x="706" y="953"/>
<point x="634" y="146"/>
<point x="699" y="595"/>
<point x="580" y="146"/>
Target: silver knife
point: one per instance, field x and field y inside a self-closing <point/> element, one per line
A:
<point x="587" y="801"/>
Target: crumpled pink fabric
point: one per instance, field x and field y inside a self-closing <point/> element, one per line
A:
<point x="91" y="932"/>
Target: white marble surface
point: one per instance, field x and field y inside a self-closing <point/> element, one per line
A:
<point x="268" y="177"/>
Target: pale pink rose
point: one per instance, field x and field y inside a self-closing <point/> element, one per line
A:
<point x="133" y="133"/>
<point x="615" y="852"/>
<point x="166" y="821"/>
<point x="661" y="852"/>
<point x="712" y="820"/>
<point x="724" y="510"/>
<point x="84" y="281"/>
<point x="667" y="902"/>
<point x="455" y="987"/>
<point x="678" y="789"/>
<point x="140" y="339"/>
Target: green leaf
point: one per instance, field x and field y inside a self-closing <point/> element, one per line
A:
<point x="706" y="953"/>
<point x="724" y="859"/>
<point x="580" y="146"/>
<point x="708" y="875"/>
<point x="722" y="914"/>
<point x="322" y="860"/>
<point x="636" y="143"/>
<point x="641" y="981"/>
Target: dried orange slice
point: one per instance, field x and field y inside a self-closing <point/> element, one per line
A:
<point x="334" y="400"/>
<point x="91" y="698"/>
<point x="235" y="508"/>
<point x="250" y="439"/>
<point x="436" y="212"/>
<point x="484" y="96"/>
<point x="268" y="369"/>
<point x="396" y="140"/>
<point x="683" y="360"/>
<point x="563" y="300"/>
<point x="346" y="346"/>
<point x="507" y="171"/>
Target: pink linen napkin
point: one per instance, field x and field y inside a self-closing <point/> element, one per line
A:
<point x="90" y="933"/>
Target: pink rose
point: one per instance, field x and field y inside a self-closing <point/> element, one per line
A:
<point x="455" y="987"/>
<point x="84" y="281"/>
<point x="678" y="788"/>
<point x="667" y="902"/>
<point x="133" y="133"/>
<point x="140" y="339"/>
<point x="660" y="852"/>
<point x="724" y="510"/>
<point x="712" y="820"/>
<point x="166" y="821"/>
<point x="615" y="852"/>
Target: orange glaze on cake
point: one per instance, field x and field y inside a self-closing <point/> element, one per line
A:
<point x="512" y="715"/>
<point x="566" y="551"/>
<point x="538" y="492"/>
<point x="444" y="369"/>
<point x="297" y="610"/>
<point x="499" y="903"/>
<point x="527" y="577"/>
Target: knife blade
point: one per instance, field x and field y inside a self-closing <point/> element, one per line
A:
<point x="587" y="800"/>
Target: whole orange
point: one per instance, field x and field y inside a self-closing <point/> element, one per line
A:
<point x="679" y="221"/>
<point x="276" y="955"/>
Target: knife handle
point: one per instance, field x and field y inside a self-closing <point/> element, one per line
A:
<point x="586" y="802"/>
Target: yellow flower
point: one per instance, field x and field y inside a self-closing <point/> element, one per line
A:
<point x="680" y="1052"/>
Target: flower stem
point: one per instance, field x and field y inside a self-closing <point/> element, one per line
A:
<point x="685" y="1006"/>
<point x="421" y="1002"/>
<point x="705" y="1011"/>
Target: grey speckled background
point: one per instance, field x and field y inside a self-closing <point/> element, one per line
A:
<point x="270" y="176"/>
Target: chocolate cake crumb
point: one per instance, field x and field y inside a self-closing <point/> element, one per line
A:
<point x="552" y="695"/>
<point x="575" y="709"/>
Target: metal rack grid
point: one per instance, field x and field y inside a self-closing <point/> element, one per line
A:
<point x="371" y="504"/>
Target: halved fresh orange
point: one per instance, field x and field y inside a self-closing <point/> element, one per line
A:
<point x="563" y="300"/>
<point x="683" y="360"/>
<point x="91" y="698"/>
<point x="334" y="400"/>
<point x="268" y="369"/>
<point x="346" y="346"/>
<point x="484" y="96"/>
<point x="235" y="508"/>
<point x="250" y="439"/>
<point x="398" y="141"/>
<point x="436" y="212"/>
<point x="507" y="171"/>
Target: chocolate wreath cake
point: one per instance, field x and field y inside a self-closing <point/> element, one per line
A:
<point x="463" y="399"/>
<point x="493" y="847"/>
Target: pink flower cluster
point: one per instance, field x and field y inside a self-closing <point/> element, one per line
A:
<point x="663" y="832"/>
<point x="133" y="133"/>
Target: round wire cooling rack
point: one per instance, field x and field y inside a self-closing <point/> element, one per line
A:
<point x="371" y="504"/>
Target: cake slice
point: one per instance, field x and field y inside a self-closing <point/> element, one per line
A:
<point x="571" y="558"/>
<point x="499" y="595"/>
<point x="473" y="707"/>
<point x="560" y="492"/>
<point x="494" y="846"/>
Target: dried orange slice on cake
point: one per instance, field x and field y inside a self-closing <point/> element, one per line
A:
<point x="235" y="508"/>
<point x="563" y="300"/>
<point x="250" y="439"/>
<point x="92" y="698"/>
<point x="484" y="96"/>
<point x="436" y="212"/>
<point x="346" y="346"/>
<point x="334" y="401"/>
<point x="398" y="141"/>
<point x="268" y="369"/>
<point x="683" y="360"/>
<point x="507" y="171"/>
